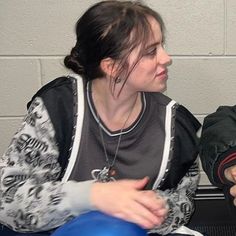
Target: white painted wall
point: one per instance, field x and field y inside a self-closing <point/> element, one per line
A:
<point x="35" y="35"/>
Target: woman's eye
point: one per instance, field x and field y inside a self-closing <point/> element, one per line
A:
<point x="151" y="52"/>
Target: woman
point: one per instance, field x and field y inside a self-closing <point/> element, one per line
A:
<point x="105" y="138"/>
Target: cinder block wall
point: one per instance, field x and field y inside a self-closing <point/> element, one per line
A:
<point x="35" y="36"/>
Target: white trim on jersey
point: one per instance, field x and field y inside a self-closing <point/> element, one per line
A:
<point x="167" y="145"/>
<point x="78" y="130"/>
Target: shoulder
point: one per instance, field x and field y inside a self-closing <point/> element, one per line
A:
<point x="55" y="88"/>
<point x="182" y="115"/>
<point x="60" y="90"/>
<point x="186" y="119"/>
<point x="60" y="99"/>
<point x="219" y="129"/>
<point x="223" y="115"/>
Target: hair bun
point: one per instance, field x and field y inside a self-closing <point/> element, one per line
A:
<point x="72" y="62"/>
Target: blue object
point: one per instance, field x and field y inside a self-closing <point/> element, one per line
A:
<point x="96" y="223"/>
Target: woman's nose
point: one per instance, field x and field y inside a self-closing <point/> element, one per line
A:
<point x="165" y="58"/>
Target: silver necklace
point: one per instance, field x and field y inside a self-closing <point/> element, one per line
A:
<point x="108" y="172"/>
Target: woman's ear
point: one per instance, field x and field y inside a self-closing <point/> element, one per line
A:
<point x="109" y="67"/>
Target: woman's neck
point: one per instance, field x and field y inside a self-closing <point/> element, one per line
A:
<point x="116" y="112"/>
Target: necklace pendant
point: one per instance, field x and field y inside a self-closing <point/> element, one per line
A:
<point x="103" y="175"/>
<point x="106" y="174"/>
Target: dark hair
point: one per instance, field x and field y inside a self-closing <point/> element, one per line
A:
<point x="110" y="29"/>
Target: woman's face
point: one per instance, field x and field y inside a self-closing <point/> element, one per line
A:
<point x="150" y="73"/>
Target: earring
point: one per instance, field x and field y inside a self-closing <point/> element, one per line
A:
<point x="118" y="80"/>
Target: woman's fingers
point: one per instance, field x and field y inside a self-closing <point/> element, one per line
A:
<point x="230" y="173"/>
<point x="233" y="173"/>
<point x="154" y="203"/>
<point x="126" y="200"/>
<point x="233" y="193"/>
<point x="140" y="215"/>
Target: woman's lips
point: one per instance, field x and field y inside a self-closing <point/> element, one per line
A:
<point x="162" y="74"/>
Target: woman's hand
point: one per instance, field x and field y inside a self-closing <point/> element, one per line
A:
<point x="230" y="174"/>
<point x="127" y="200"/>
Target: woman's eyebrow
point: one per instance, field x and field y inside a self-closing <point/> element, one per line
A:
<point x="153" y="45"/>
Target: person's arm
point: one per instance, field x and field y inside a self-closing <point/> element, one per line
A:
<point x="31" y="198"/>
<point x="218" y="151"/>
<point x="218" y="145"/>
<point x="180" y="202"/>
